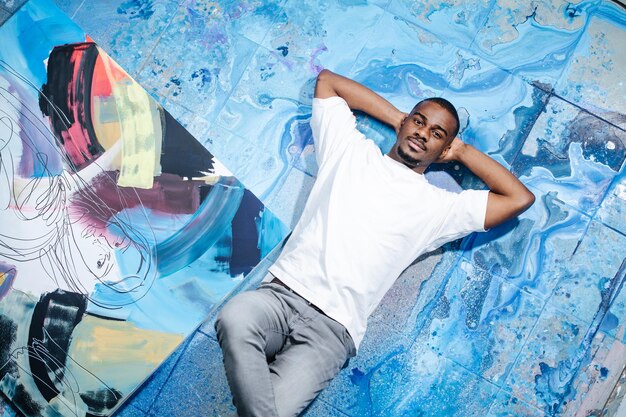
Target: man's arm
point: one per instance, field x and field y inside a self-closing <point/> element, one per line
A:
<point x="508" y="197"/>
<point x="358" y="97"/>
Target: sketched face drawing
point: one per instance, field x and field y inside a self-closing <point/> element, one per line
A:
<point x="62" y="234"/>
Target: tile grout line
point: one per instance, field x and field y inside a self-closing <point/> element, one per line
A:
<point x="578" y="106"/>
<point x="187" y="342"/>
<point x="614" y="390"/>
<point x="543" y="303"/>
<point x="77" y="9"/>
<point x="616" y="178"/>
<point x="149" y="54"/>
<point x="549" y="297"/>
<point x="333" y="407"/>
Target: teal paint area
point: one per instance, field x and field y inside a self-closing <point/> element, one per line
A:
<point x="527" y="319"/>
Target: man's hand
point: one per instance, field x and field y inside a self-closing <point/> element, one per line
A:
<point x="452" y="152"/>
<point x="400" y="121"/>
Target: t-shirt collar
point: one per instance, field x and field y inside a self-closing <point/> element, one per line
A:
<point x="401" y="169"/>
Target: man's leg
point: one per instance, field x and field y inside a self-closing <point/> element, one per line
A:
<point x="316" y="350"/>
<point x="251" y="328"/>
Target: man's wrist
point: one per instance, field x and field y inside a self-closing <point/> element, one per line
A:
<point x="398" y="119"/>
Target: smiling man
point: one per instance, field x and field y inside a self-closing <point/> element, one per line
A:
<point x="367" y="218"/>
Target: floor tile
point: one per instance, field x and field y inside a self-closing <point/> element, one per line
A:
<point x="614" y="320"/>
<point x="395" y="325"/>
<point x="201" y="85"/>
<point x="70" y="7"/>
<point x="593" y="275"/>
<point x="250" y="18"/>
<point x="482" y="322"/>
<point x="405" y="63"/>
<point x="422" y="382"/>
<point x="199" y="374"/>
<point x="309" y="37"/>
<point x="572" y="153"/>
<point x="397" y="306"/>
<point x="427" y="305"/>
<point x="616" y="405"/>
<point x="129" y="411"/>
<point x="353" y="389"/>
<point x="127" y="30"/>
<point x="4" y="16"/>
<point x="455" y="21"/>
<point x="11" y="5"/>
<point x="325" y="34"/>
<point x="321" y="409"/>
<point x="566" y="367"/>
<point x="260" y="171"/>
<point x="612" y="211"/>
<point x="497" y="109"/>
<point x="543" y="238"/>
<point x="532" y="39"/>
<point x="592" y="78"/>
<point x="281" y="129"/>
<point x="506" y="405"/>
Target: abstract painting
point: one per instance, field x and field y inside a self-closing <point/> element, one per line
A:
<point x="119" y="231"/>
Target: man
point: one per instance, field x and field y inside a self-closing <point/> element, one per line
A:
<point x="367" y="218"/>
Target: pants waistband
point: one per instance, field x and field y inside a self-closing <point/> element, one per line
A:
<point x="282" y="284"/>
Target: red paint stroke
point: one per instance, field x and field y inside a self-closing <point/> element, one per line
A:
<point x="104" y="199"/>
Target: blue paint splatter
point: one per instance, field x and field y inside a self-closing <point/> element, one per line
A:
<point x="136" y="9"/>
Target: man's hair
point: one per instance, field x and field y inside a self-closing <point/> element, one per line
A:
<point x="447" y="106"/>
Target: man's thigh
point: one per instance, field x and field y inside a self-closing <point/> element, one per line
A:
<point x="257" y="314"/>
<point x="316" y="350"/>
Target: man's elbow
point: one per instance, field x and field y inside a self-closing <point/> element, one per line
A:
<point x="524" y="201"/>
<point x="324" y="84"/>
<point x="323" y="78"/>
<point x="324" y="74"/>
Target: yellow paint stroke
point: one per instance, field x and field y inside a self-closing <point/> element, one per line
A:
<point x="116" y="352"/>
<point x="3" y="277"/>
<point x="105" y="120"/>
<point x="141" y="132"/>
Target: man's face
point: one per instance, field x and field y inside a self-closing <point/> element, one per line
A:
<point x="423" y="136"/>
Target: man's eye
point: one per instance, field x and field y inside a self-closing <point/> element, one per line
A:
<point x="418" y="122"/>
<point x="438" y="135"/>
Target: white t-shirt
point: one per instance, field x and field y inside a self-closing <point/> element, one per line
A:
<point x="367" y="218"/>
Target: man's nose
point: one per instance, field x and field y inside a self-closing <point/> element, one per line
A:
<point x="422" y="132"/>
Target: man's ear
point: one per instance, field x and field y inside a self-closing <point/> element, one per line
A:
<point x="443" y="153"/>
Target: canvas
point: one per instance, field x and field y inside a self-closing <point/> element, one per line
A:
<point x="119" y="231"/>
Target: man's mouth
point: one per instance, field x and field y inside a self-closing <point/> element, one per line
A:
<point x="416" y="144"/>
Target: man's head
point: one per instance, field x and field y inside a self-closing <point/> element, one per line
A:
<point x="426" y="133"/>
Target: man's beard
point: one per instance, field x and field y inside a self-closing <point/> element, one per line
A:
<point x="408" y="159"/>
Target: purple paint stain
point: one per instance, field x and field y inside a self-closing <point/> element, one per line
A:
<point x="316" y="68"/>
<point x="216" y="35"/>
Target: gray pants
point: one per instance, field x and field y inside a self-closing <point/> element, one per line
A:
<point x="279" y="352"/>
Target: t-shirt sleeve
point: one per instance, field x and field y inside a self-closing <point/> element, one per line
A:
<point x="464" y="213"/>
<point x="333" y="125"/>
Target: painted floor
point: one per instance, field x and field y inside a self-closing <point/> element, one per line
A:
<point x="528" y="319"/>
